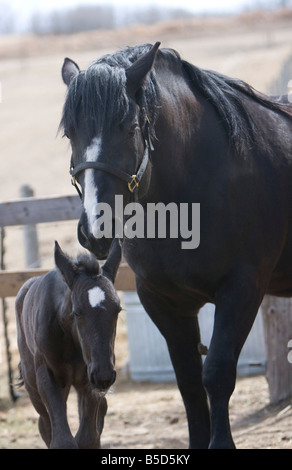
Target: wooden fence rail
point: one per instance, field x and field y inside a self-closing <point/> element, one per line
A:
<point x="11" y="281"/>
<point x="32" y="210"/>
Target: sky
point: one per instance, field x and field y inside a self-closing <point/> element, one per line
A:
<point x="192" y="5"/>
<point x="24" y="8"/>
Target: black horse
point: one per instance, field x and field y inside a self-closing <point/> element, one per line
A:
<point x="149" y="126"/>
<point x="66" y="327"/>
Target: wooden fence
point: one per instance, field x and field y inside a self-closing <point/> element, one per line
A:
<point x="32" y="210"/>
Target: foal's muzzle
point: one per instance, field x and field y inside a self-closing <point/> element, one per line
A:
<point x="101" y="381"/>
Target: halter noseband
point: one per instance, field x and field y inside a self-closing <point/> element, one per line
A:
<point x="132" y="180"/>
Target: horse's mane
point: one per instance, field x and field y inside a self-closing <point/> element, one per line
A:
<point x="227" y="96"/>
<point x="101" y="90"/>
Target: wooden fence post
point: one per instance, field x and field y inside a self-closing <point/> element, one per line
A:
<point x="277" y="320"/>
<point x="13" y="394"/>
<point x="30" y="237"/>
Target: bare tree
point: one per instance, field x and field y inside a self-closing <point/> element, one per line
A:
<point x="86" y="18"/>
<point x="68" y="21"/>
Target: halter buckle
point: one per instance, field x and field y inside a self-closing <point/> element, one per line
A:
<point x="133" y="184"/>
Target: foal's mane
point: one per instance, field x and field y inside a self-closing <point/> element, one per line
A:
<point x="87" y="263"/>
<point x="101" y="91"/>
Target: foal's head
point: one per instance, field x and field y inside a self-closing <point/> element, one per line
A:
<point x="95" y="308"/>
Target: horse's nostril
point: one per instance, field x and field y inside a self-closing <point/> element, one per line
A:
<point x="81" y="233"/>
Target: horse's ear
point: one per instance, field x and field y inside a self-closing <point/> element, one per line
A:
<point x="110" y="267"/>
<point x="69" y="70"/>
<point x="65" y="266"/>
<point x="137" y="73"/>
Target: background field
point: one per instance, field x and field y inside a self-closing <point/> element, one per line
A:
<point x="251" y="47"/>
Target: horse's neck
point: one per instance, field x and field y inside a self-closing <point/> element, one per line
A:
<point x="176" y="132"/>
<point x="185" y="158"/>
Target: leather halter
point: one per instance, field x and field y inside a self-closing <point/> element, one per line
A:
<point x="132" y="180"/>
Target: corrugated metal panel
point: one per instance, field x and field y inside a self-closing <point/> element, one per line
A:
<point x="149" y="357"/>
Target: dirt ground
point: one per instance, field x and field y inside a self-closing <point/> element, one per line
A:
<point x="140" y="415"/>
<point x="144" y="415"/>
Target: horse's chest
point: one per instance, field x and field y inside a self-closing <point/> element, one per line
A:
<point x="159" y="266"/>
<point x="154" y="260"/>
<point x="170" y="271"/>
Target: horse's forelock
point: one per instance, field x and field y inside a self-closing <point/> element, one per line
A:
<point x="101" y="92"/>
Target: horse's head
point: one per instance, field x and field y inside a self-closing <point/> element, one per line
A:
<point x="95" y="308"/>
<point x="107" y="118"/>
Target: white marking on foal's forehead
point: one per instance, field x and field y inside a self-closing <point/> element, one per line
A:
<point x="90" y="190"/>
<point x="95" y="296"/>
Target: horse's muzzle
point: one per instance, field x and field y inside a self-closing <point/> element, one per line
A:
<point x="98" y="246"/>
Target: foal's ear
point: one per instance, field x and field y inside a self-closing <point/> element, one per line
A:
<point x="65" y="266"/>
<point x="110" y="267"/>
<point x="69" y="70"/>
<point x="136" y="74"/>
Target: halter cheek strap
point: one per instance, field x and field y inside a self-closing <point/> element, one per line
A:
<point x="132" y="180"/>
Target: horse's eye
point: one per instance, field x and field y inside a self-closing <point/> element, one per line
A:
<point x="76" y="313"/>
<point x="66" y="134"/>
<point x="133" y="130"/>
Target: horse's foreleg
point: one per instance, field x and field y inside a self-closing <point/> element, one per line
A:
<point x="92" y="410"/>
<point x="54" y="397"/>
<point x="236" y="307"/>
<point x="182" y="335"/>
<point x="187" y="363"/>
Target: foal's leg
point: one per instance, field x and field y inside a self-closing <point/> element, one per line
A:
<point x="92" y="410"/>
<point x="54" y="397"/>
<point x="29" y="377"/>
<point x="44" y="419"/>
<point x="182" y="335"/>
<point x="236" y="307"/>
